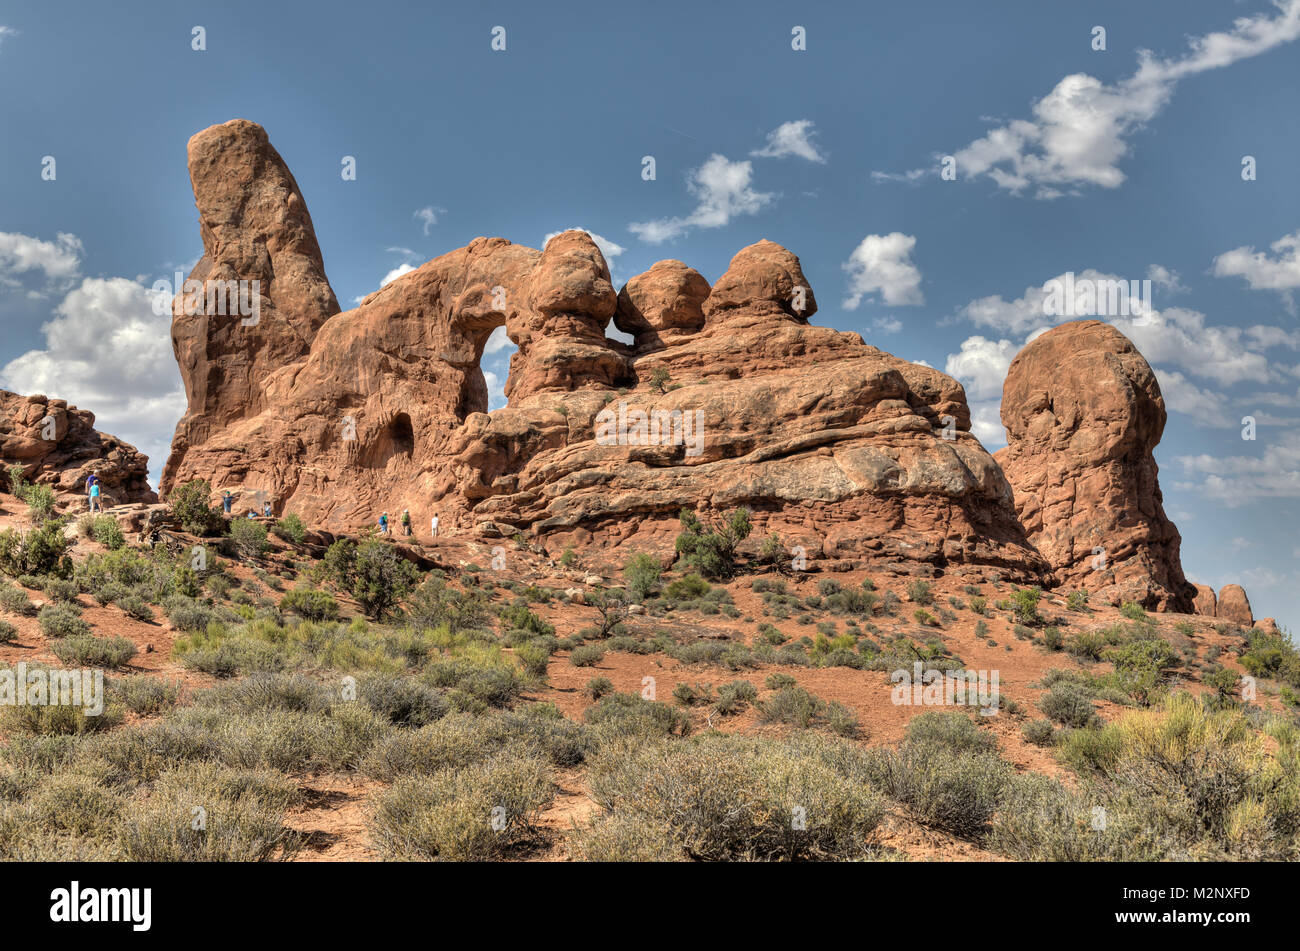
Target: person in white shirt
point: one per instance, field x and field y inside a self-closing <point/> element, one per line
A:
<point x="433" y="524"/>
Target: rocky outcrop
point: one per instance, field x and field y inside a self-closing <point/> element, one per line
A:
<point x="1234" y="605"/>
<point x="728" y="397"/>
<point x="1083" y="411"/>
<point x="57" y="445"/>
<point x="1205" y="603"/>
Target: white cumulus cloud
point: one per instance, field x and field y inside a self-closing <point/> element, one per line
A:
<point x="882" y="264"/>
<point x="723" y="189"/>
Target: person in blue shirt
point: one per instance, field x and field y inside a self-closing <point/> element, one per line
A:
<point x="383" y="524"/>
<point x="95" y="505"/>
<point x="227" y="500"/>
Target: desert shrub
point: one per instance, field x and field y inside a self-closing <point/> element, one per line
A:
<point x="290" y="528"/>
<point x="145" y="695"/>
<point x="625" y="837"/>
<point x="107" y="532"/>
<point x="779" y="681"/>
<point x="598" y="687"/>
<point x="435" y="603"/>
<point x="1053" y="639"/>
<point x="952" y="731"/>
<point x="236" y="829"/>
<point x="687" y="588"/>
<point x="136" y="607"/>
<point x="15" y="601"/>
<point x="979" y="605"/>
<point x="1087" y="645"/>
<point x="310" y="604"/>
<point x="87" y="651"/>
<point x="1024" y="603"/>
<point x="475" y="813"/>
<point x="794" y="706"/>
<point x="188" y="615"/>
<point x="588" y="655"/>
<point x="60" y="589"/>
<point x="8" y="633"/>
<point x="956" y="789"/>
<point x="403" y="701"/>
<point x="624" y="713"/>
<point x="188" y="504"/>
<point x="642" y="574"/>
<point x="724" y="798"/>
<point x="919" y="591"/>
<point x="41" y="551"/>
<point x="710" y="548"/>
<point x="535" y="656"/>
<point x="62" y="620"/>
<point x="1182" y="782"/>
<point x="1133" y="611"/>
<point x="381" y="579"/>
<point x="1077" y="600"/>
<point x="1039" y="732"/>
<point x="1069" y="704"/>
<point x="249" y="537"/>
<point x="521" y="618"/>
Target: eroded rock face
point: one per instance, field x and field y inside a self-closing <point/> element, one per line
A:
<point x="1234" y="605"/>
<point x="843" y="451"/>
<point x="1205" y="603"/>
<point x="57" y="445"/>
<point x="1083" y="412"/>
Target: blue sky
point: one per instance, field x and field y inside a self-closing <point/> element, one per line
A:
<point x="1114" y="161"/>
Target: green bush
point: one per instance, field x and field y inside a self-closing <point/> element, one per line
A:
<point x="1069" y="704"/>
<point x="381" y="579"/>
<point x="642" y="574"/>
<point x="310" y="604"/>
<point x="291" y="529"/>
<point x="919" y="591"/>
<point x="588" y="655"/>
<point x="62" y="620"/>
<point x="249" y="537"/>
<point x="689" y="587"/>
<point x="107" y="532"/>
<point x="189" y="505"/>
<point x="725" y="798"/>
<point x="87" y="651"/>
<point x="710" y="548"/>
<point x="476" y="813"/>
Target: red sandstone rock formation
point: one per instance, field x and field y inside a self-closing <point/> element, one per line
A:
<point x="843" y="450"/>
<point x="1083" y="412"/>
<point x="1205" y="603"/>
<point x="57" y="445"/>
<point x="1234" y="605"/>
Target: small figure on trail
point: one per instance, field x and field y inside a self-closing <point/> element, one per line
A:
<point x="383" y="524"/>
<point x="433" y="525"/>
<point x="227" y="500"/>
<point x="95" y="505"/>
<point x="406" y="521"/>
<point x="266" y="510"/>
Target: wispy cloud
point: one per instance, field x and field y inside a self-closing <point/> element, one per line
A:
<point x="792" y="139"/>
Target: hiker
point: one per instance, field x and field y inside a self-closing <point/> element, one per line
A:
<point x="95" y="505"/>
<point x="227" y="501"/>
<point x="383" y="524"/>
<point x="406" y="522"/>
<point x="433" y="524"/>
<point x="252" y="513"/>
<point x="90" y="483"/>
<point x="266" y="510"/>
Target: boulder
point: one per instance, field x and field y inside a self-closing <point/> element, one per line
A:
<point x="1083" y="412"/>
<point x="1234" y="605"/>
